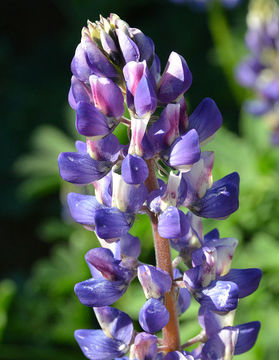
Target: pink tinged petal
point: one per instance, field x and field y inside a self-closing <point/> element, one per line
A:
<point x="128" y="47"/>
<point x="220" y="296"/>
<point x="153" y="316"/>
<point x="206" y="119"/>
<point x="166" y="129"/>
<point x="107" y="148"/>
<point x="221" y="345"/>
<point x="154" y="281"/>
<point x="83" y="208"/>
<point x="130" y="246"/>
<point x="81" y="168"/>
<point x="134" y="169"/>
<point x="175" y="80"/>
<point x="112" y="223"/>
<point x="127" y="197"/>
<point x="185" y="151"/>
<point x="225" y="250"/>
<point x="199" y="178"/>
<point x="100" y="292"/>
<point x="247" y="336"/>
<point x="103" y="260"/>
<point x="183" y="301"/>
<point x="138" y="127"/>
<point x="80" y="66"/>
<point x="103" y="190"/>
<point x="78" y="92"/>
<point x="133" y="72"/>
<point x="145" y="347"/>
<point x="97" y="346"/>
<point x="90" y="121"/>
<point x="247" y="280"/>
<point x="115" y="323"/>
<point x="220" y="200"/>
<point x="145" y="99"/>
<point x="98" y="62"/>
<point x="173" y="223"/>
<point x="107" y="96"/>
<point x="172" y="193"/>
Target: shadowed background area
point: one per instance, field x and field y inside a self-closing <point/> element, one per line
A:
<point x="42" y="251"/>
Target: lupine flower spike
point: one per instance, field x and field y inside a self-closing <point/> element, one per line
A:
<point x="259" y="71"/>
<point x="115" y="66"/>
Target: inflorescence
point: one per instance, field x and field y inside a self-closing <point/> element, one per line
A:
<point x="260" y="70"/>
<point x="116" y="72"/>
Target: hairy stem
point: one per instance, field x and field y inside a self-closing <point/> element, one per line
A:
<point x="171" y="338"/>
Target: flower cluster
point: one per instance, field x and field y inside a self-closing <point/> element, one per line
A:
<point x="260" y="70"/>
<point x="115" y="73"/>
<point x="201" y="4"/>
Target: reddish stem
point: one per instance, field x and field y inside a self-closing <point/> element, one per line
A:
<point x="171" y="338"/>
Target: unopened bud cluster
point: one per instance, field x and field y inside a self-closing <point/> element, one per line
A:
<point x="115" y="68"/>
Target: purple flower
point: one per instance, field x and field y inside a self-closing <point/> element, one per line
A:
<point x="175" y="80"/>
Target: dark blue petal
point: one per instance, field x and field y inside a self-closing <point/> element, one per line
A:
<point x="153" y="316"/>
<point x="185" y="151"/>
<point x="128" y="48"/>
<point x="134" y="169"/>
<point x="220" y="200"/>
<point x="211" y="235"/>
<point x="79" y="66"/>
<point x="206" y="119"/>
<point x="130" y="246"/>
<point x="173" y="223"/>
<point x="112" y="223"/>
<point x="90" y="121"/>
<point x="183" y="301"/>
<point x="247" y="280"/>
<point x="98" y="62"/>
<point x="175" y="80"/>
<point x="247" y="336"/>
<point x="83" y="208"/>
<point x="115" y="323"/>
<point x="144" y="44"/>
<point x="145" y="99"/>
<point x="220" y="296"/>
<point x="100" y="292"/>
<point x="97" y="346"/>
<point x="81" y="168"/>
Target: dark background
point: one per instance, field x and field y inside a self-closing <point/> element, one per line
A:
<point x="37" y="43"/>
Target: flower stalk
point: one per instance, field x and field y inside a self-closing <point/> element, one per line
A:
<point x="116" y="67"/>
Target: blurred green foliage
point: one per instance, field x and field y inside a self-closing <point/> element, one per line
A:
<point x="38" y="309"/>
